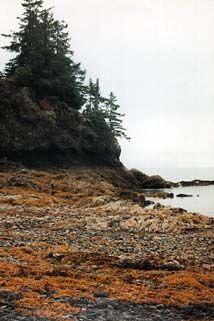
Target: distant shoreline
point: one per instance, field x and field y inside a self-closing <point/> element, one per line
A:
<point x="182" y="174"/>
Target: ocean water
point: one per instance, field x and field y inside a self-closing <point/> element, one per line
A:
<point x="203" y="196"/>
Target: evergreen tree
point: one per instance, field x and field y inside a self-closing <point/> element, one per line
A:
<point x="94" y="100"/>
<point x="26" y="43"/>
<point x="44" y="61"/>
<point x="43" y="56"/>
<point x="103" y="112"/>
<point x="67" y="76"/>
<point x="95" y="112"/>
<point x="98" y="97"/>
<point x="90" y="92"/>
<point x="114" y="118"/>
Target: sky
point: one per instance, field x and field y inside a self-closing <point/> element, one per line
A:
<point x="157" y="56"/>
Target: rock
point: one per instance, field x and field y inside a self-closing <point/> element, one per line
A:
<point x="20" y="181"/>
<point x="149" y="265"/>
<point x="150" y="182"/>
<point x="179" y="210"/>
<point x="163" y="195"/>
<point x="149" y="202"/>
<point x="99" y="294"/>
<point x="158" y="206"/>
<point x="156" y="181"/>
<point x="209" y="267"/>
<point x="140" y="176"/>
<point x="146" y="265"/>
<point x="9" y="296"/>
<point x="196" y="182"/>
<point x="71" y="249"/>
<point x="134" y="196"/>
<point x="61" y="135"/>
<point x="172" y="266"/>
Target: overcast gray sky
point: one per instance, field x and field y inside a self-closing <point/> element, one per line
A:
<point x="157" y="56"/>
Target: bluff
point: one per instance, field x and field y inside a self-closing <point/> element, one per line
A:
<point x="45" y="131"/>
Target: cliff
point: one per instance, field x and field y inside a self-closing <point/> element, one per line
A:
<point x="46" y="131"/>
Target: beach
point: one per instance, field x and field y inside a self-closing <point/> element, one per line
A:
<point x="74" y="246"/>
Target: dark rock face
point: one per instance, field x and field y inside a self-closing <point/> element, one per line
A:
<point x="138" y="175"/>
<point x="134" y="196"/>
<point x="162" y="195"/>
<point x="184" y="195"/>
<point x="156" y="182"/>
<point x="196" y="182"/>
<point x="150" y="182"/>
<point x="38" y="131"/>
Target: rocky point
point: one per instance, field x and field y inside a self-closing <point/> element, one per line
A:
<point x="77" y="238"/>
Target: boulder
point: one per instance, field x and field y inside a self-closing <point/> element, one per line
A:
<point x="162" y="195"/>
<point x="134" y="196"/>
<point x="150" y="182"/>
<point x="155" y="182"/>
<point x="139" y="176"/>
<point x="179" y="210"/>
<point x="158" y="206"/>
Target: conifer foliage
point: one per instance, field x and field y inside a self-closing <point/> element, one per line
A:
<point x="94" y="110"/>
<point x="114" y="118"/>
<point x="43" y="58"/>
<point x="44" y="61"/>
<point x="103" y="112"/>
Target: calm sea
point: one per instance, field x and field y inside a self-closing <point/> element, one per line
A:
<point x="203" y="196"/>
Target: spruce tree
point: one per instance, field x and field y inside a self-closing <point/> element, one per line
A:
<point x="114" y="118"/>
<point x="43" y="58"/>
<point x="26" y="43"/>
<point x="103" y="113"/>
<point x="94" y="100"/>
<point x="67" y="76"/>
<point x="94" y="110"/>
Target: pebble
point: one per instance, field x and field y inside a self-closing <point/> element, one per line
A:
<point x="109" y="310"/>
<point x="172" y="239"/>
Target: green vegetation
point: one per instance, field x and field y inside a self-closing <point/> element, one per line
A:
<point x="44" y="61"/>
<point x="103" y="112"/>
<point x="43" y="58"/>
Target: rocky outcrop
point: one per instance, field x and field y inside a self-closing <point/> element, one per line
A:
<point x="163" y="195"/>
<point x="150" y="182"/>
<point x="156" y="181"/>
<point x="184" y="195"/>
<point x="196" y="182"/>
<point x="39" y="131"/>
<point x="138" y="175"/>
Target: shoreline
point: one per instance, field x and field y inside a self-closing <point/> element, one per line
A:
<point x="178" y="174"/>
<point x="79" y="243"/>
<point x="196" y="199"/>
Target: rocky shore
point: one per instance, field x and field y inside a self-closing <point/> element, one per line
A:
<point x="79" y="244"/>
